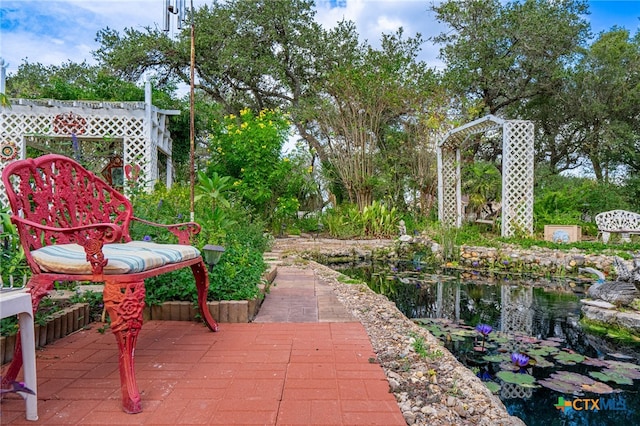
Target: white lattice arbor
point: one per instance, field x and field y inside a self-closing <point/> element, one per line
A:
<point x="517" y="172"/>
<point x="140" y="128"/>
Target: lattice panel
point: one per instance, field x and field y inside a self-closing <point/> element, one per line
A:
<point x="517" y="178"/>
<point x="516" y="310"/>
<point x="448" y="301"/>
<point x="517" y="173"/>
<point x="449" y="173"/>
<point x="15" y="125"/>
<point x="125" y="120"/>
<point x="116" y="125"/>
<point x="512" y="390"/>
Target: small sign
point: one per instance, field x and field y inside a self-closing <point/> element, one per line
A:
<point x="563" y="233"/>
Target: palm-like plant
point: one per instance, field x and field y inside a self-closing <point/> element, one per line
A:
<point x="482" y="182"/>
<point x="213" y="188"/>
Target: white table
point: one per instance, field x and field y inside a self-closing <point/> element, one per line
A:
<point x="18" y="302"/>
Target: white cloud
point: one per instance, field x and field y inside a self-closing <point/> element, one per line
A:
<point x="375" y="17"/>
<point x="56" y="31"/>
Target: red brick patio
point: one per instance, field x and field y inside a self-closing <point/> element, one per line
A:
<point x="317" y="370"/>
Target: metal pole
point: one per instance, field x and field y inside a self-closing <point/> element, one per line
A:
<point x="192" y="144"/>
<point x="3" y="75"/>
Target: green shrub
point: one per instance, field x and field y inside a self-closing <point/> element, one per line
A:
<point x="232" y="225"/>
<point x="173" y="286"/>
<point x="12" y="259"/>
<point x="375" y="221"/>
<point x="568" y="200"/>
<point x="239" y="273"/>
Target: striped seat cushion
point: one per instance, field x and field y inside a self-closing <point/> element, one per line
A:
<point x="135" y="256"/>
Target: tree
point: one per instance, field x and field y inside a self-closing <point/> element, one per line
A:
<point x="605" y="102"/>
<point x="361" y="100"/>
<point x="482" y="182"/>
<point x="73" y="81"/>
<point x="503" y="56"/>
<point x="259" y="54"/>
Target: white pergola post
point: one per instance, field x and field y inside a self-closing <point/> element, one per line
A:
<point x="517" y="173"/>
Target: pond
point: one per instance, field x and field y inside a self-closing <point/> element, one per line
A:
<point x="530" y="349"/>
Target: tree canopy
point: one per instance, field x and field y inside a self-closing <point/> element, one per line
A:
<point x="372" y="116"/>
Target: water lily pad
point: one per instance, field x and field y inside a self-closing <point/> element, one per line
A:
<point x="493" y="387"/>
<point x="567" y="358"/>
<point x="620" y="356"/>
<point x="464" y="333"/>
<point x="524" y="380"/>
<point x="499" y="338"/>
<point x="549" y="342"/>
<point x="543" y="363"/>
<point x="497" y="358"/>
<point x="598" y="387"/>
<point x="573" y="378"/>
<point x="435" y="330"/>
<point x="542" y="351"/>
<point x="560" y="386"/>
<point x="595" y="362"/>
<point x="611" y="376"/>
<point x="509" y="366"/>
<point x="631" y="373"/>
<point x="567" y="382"/>
<point x="526" y="339"/>
<point x="623" y="365"/>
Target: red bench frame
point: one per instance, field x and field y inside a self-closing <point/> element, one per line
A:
<point x="87" y="211"/>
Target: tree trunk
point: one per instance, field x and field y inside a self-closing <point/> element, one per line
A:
<point x="364" y="197"/>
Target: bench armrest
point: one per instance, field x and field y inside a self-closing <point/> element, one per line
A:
<point x="183" y="231"/>
<point x="90" y="237"/>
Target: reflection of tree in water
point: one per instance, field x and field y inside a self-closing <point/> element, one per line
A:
<point x="480" y="304"/>
<point x="551" y="310"/>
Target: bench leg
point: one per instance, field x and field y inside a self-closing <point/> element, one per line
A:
<point x="202" y="283"/>
<point x="124" y="303"/>
<point x="605" y="237"/>
<point x="38" y="289"/>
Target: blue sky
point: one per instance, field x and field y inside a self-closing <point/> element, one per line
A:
<point x="53" y="32"/>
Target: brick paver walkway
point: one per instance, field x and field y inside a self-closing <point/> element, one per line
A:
<point x="303" y="361"/>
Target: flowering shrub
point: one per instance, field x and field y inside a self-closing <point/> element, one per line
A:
<point x="248" y="148"/>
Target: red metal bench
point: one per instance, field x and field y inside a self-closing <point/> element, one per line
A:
<point x="74" y="227"/>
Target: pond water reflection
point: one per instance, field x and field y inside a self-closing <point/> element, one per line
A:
<point x="539" y="318"/>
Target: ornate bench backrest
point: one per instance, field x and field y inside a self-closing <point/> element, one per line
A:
<point x="618" y="220"/>
<point x="56" y="191"/>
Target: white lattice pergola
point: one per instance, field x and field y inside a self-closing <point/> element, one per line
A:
<point x="517" y="172"/>
<point x="141" y="128"/>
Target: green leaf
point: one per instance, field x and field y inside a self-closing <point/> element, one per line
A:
<point x="525" y="380"/>
<point x="611" y="376"/>
<point x="568" y="358"/>
<point x="493" y="387"/>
